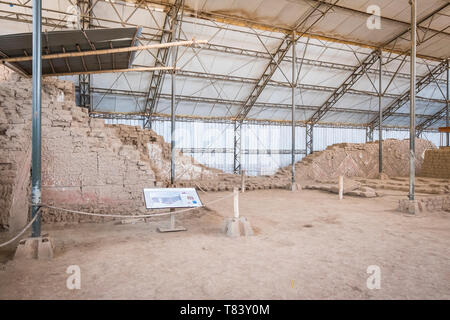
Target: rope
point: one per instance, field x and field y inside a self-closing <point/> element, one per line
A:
<point x="133" y="217"/>
<point x="107" y="215"/>
<point x="200" y="188"/>
<point x="21" y="232"/>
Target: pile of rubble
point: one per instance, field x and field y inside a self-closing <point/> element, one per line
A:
<point x="351" y="188"/>
<point x="422" y="184"/>
<point x="358" y="160"/>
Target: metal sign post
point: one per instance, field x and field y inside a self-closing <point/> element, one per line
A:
<point x="172" y="226"/>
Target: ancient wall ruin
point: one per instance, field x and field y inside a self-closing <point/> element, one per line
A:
<point x="437" y="163"/>
<point x="90" y="166"/>
<point x="15" y="155"/>
<point x="85" y="164"/>
<point x="359" y="160"/>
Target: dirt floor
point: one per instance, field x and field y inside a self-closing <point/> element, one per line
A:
<point x="308" y="245"/>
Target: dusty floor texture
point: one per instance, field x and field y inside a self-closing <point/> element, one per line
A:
<point x="308" y="245"/>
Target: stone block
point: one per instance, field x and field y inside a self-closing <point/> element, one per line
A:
<point x="35" y="248"/>
<point x="236" y="227"/>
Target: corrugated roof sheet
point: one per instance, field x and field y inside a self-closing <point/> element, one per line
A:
<point x="20" y="45"/>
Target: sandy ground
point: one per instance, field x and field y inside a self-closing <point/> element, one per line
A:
<point x="308" y="245"/>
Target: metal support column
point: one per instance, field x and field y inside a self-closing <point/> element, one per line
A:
<point x="172" y="21"/>
<point x="293" y="112"/>
<point x="172" y="114"/>
<point x="84" y="80"/>
<point x="36" y="118"/>
<point x="309" y="138"/>
<point x="412" y="124"/>
<point x="447" y="120"/>
<point x="380" y="110"/>
<point x="237" y="147"/>
<point x="172" y="129"/>
<point x="369" y="134"/>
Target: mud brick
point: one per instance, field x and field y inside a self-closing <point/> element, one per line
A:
<point x="90" y="194"/>
<point x="60" y="123"/>
<point x="96" y="123"/>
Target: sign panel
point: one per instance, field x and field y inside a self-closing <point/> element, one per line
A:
<point x="163" y="198"/>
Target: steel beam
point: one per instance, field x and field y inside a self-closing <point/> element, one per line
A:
<point x="293" y="113"/>
<point x="392" y="108"/>
<point x="244" y="151"/>
<point x="84" y="80"/>
<point x="157" y="79"/>
<point x="230" y="121"/>
<point x="430" y="121"/>
<point x="369" y="134"/>
<point x="358" y="72"/>
<point x="447" y="115"/>
<point x="214" y="101"/>
<point x="276" y="59"/>
<point x="237" y="147"/>
<point x="314" y="63"/>
<point x="273" y="65"/>
<point x="346" y="85"/>
<point x="339" y="93"/>
<point x="36" y="119"/>
<point x="380" y="114"/>
<point x="281" y="84"/>
<point x="443" y="113"/>
<point x="243" y="22"/>
<point x="309" y="129"/>
<point x="412" y="102"/>
<point x="172" y="121"/>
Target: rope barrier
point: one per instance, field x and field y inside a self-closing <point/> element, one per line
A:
<point x="21" y="232"/>
<point x="135" y="216"/>
<point x="107" y="215"/>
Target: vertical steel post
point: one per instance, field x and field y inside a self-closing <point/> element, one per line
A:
<point x="309" y="131"/>
<point x="293" y="112"/>
<point x="172" y="109"/>
<point x="447" y="124"/>
<point x="237" y="155"/>
<point x="172" y="130"/>
<point x="412" y="123"/>
<point x="84" y="80"/>
<point x="380" y="111"/>
<point x="36" y="118"/>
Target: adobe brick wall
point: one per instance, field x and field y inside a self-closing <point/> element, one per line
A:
<point x="85" y="164"/>
<point x="437" y="163"/>
<point x="15" y="155"/>
<point x="90" y="166"/>
<point x="359" y="160"/>
<point x="157" y="152"/>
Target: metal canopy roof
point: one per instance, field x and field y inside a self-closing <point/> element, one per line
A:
<point x="215" y="80"/>
<point x="67" y="41"/>
<point x="345" y="22"/>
